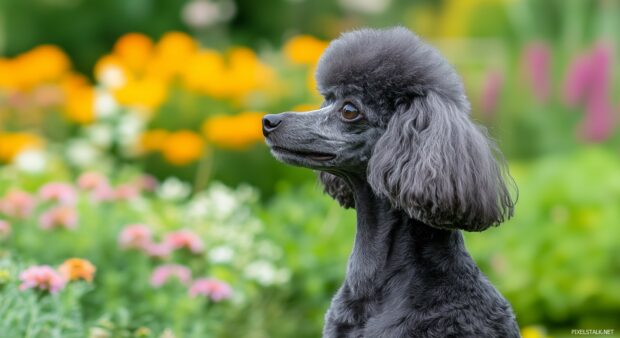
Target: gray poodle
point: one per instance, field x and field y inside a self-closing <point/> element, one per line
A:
<point x="393" y="139"/>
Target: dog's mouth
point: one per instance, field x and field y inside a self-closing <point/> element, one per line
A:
<point x="313" y="155"/>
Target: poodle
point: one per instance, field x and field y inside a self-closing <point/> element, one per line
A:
<point x="393" y="139"/>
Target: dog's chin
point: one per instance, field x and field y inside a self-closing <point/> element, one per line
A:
<point x="303" y="158"/>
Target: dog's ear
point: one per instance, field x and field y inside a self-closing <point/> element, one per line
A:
<point x="338" y="189"/>
<point x="439" y="167"/>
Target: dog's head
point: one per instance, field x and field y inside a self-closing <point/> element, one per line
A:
<point x="395" y="111"/>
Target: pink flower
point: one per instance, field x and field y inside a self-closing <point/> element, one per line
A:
<point x="91" y="181"/>
<point x="135" y="236"/>
<point x="59" y="217"/>
<point x="157" y="250"/>
<point x="5" y="229"/>
<point x="577" y="80"/>
<point x="537" y="59"/>
<point x="42" y="277"/>
<point x="147" y="183"/>
<point x="491" y="92"/>
<point x="163" y="273"/>
<point x="125" y="192"/>
<point x="185" y="239"/>
<point x="62" y="193"/>
<point x="102" y="193"/>
<point x="18" y="204"/>
<point x="209" y="287"/>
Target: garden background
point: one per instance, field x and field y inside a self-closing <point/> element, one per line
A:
<point x="137" y="197"/>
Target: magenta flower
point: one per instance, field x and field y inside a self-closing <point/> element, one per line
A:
<point x="126" y="192"/>
<point x="91" y="180"/>
<point x="59" y="217"/>
<point x="147" y="183"/>
<point x="42" y="277"/>
<point x="184" y="239"/>
<point x="62" y="193"/>
<point x="577" y="80"/>
<point x="537" y="59"/>
<point x="163" y="273"/>
<point x="491" y="92"/>
<point x="5" y="229"/>
<point x="212" y="288"/>
<point x="18" y="204"/>
<point x="135" y="236"/>
<point x="157" y="250"/>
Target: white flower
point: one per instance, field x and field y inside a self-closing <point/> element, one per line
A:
<point x="105" y="104"/>
<point x="221" y="254"/>
<point x="100" y="134"/>
<point x="129" y="128"/>
<point x="223" y="199"/>
<point x="203" y="13"/>
<point x="31" y="161"/>
<point x="112" y="77"/>
<point x="198" y="207"/>
<point x="173" y="189"/>
<point x="265" y="273"/>
<point x="366" y="6"/>
<point x="81" y="153"/>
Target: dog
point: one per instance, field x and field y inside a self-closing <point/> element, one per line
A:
<point x="394" y="140"/>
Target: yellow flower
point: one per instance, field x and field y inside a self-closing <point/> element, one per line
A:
<point x="153" y="140"/>
<point x="234" y="132"/>
<point x="246" y="73"/>
<point x="182" y="147"/>
<point x="134" y="50"/>
<point x="80" y="104"/>
<point x="204" y="72"/>
<point x="11" y="144"/>
<point x="304" y="49"/>
<point x="173" y="50"/>
<point x="43" y="64"/>
<point x="533" y="332"/>
<point x="77" y="268"/>
<point x="147" y="93"/>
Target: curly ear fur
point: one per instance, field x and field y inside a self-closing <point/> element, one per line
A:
<point x="439" y="167"/>
<point x="338" y="189"/>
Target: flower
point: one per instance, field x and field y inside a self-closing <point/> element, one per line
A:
<point x="212" y="288"/>
<point x="182" y="147"/>
<point x="185" y="239"/>
<point x="147" y="183"/>
<point x="304" y="49"/>
<point x="153" y="140"/>
<point x="126" y="192"/>
<point x="77" y="268"/>
<point x="5" y="229"/>
<point x="173" y="50"/>
<point x="91" y="181"/>
<point x="491" y="92"/>
<point x="234" y="132"/>
<point x="18" y="204"/>
<point x="59" y="217"/>
<point x="532" y="332"/>
<point x="157" y="250"/>
<point x="62" y="193"/>
<point x="80" y="105"/>
<point x="221" y="254"/>
<point x="31" y="161"/>
<point x="173" y="189"/>
<point x="577" y="80"/>
<point x="15" y="143"/>
<point x="134" y="50"/>
<point x="162" y="274"/>
<point x="265" y="273"/>
<point x="537" y="59"/>
<point x="135" y="236"/>
<point x="145" y="93"/>
<point x="41" y="277"/>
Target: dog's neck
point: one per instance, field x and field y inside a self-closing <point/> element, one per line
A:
<point x="388" y="242"/>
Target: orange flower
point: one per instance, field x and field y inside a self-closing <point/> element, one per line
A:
<point x="153" y="140"/>
<point x="77" y="268"/>
<point x="304" y="49"/>
<point x="80" y="104"/>
<point x="148" y="93"/>
<point x="11" y="144"/>
<point x="174" y="49"/>
<point x="182" y="147"/>
<point x="42" y="64"/>
<point x="134" y="50"/>
<point x="234" y="132"/>
<point x="204" y="72"/>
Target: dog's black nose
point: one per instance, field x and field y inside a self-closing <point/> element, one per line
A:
<point x="271" y="122"/>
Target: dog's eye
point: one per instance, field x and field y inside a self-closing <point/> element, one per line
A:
<point x="349" y="112"/>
